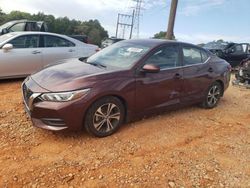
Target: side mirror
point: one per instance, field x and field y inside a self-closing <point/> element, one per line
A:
<point x="230" y="50"/>
<point x="150" y="68"/>
<point x="7" y="47"/>
<point x="4" y="31"/>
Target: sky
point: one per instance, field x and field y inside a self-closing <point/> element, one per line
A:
<point x="197" y="21"/>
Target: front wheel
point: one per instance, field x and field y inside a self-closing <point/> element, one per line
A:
<point x="213" y="96"/>
<point x="104" y="117"/>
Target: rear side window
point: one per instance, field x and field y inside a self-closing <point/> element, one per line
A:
<point x="31" y="26"/>
<point x="27" y="41"/>
<point x="193" y="56"/>
<point x="53" y="42"/>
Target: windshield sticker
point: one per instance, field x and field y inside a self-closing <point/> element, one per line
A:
<point x="136" y="50"/>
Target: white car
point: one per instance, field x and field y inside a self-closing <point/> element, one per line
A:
<point x="22" y="53"/>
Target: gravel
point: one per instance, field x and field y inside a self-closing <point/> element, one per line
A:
<point x="189" y="147"/>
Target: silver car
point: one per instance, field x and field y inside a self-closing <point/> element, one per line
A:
<point x="22" y="53"/>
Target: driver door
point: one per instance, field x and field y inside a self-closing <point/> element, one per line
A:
<point x="159" y="90"/>
<point x="24" y="59"/>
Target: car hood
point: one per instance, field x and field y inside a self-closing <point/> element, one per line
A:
<point x="69" y="75"/>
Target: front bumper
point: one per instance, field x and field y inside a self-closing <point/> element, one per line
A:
<point x="53" y="116"/>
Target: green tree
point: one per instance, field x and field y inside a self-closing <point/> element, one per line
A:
<point x="162" y="35"/>
<point x="2" y="16"/>
<point x="61" y="25"/>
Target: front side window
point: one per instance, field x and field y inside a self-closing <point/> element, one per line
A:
<point x="237" y="49"/>
<point x="53" y="41"/>
<point x="17" y="27"/>
<point x="165" y="57"/>
<point x="192" y="56"/>
<point x="27" y="41"/>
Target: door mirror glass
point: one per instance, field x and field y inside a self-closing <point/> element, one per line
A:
<point x="7" y="47"/>
<point x="150" y="68"/>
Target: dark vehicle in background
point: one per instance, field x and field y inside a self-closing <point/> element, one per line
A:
<point x="109" y="41"/>
<point x="243" y="74"/>
<point x="125" y="81"/>
<point x="82" y="38"/>
<point x="233" y="53"/>
<point x="23" y="25"/>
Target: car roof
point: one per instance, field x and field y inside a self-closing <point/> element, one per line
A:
<point x="17" y="21"/>
<point x="36" y="33"/>
<point x="155" y="42"/>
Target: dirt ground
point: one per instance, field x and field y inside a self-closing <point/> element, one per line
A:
<point x="190" y="147"/>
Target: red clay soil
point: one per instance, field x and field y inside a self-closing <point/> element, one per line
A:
<point x="190" y="147"/>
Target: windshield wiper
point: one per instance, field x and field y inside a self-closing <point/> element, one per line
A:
<point x="96" y="64"/>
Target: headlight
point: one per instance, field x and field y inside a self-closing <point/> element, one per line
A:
<point x="64" y="96"/>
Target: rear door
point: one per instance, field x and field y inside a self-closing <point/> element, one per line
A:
<point x="162" y="89"/>
<point x="56" y="49"/>
<point x="24" y="59"/>
<point x="196" y="73"/>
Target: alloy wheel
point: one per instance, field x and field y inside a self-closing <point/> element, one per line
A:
<point x="106" y="117"/>
<point x="213" y="95"/>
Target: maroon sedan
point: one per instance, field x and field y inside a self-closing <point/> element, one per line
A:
<point x="127" y="80"/>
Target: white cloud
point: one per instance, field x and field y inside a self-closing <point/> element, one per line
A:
<point x="193" y="7"/>
<point x="104" y="10"/>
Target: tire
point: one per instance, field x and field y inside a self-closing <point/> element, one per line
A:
<point x="104" y="117"/>
<point x="213" y="96"/>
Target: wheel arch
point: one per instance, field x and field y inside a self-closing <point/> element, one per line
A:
<point x="222" y="86"/>
<point x="122" y="99"/>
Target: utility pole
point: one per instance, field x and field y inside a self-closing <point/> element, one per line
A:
<point x="132" y="25"/>
<point x="171" y="21"/>
<point x="137" y="9"/>
<point x="123" y="25"/>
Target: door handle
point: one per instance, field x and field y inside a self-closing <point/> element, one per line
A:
<point x="177" y="76"/>
<point x="211" y="70"/>
<point x="36" y="52"/>
<point x="71" y="50"/>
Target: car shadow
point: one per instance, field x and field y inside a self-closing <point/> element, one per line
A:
<point x="166" y="113"/>
<point x="5" y="81"/>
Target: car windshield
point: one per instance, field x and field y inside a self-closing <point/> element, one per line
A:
<point x="5" y="37"/>
<point x="6" y="25"/>
<point x="216" y="45"/>
<point x="120" y="55"/>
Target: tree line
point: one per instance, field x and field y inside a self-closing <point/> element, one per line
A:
<point x="62" y="25"/>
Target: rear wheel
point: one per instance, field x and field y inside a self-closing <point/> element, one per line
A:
<point x="104" y="117"/>
<point x="213" y="96"/>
